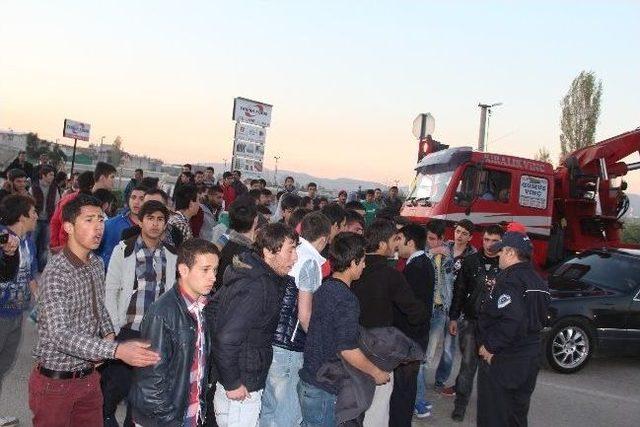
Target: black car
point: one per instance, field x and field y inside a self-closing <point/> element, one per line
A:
<point x="595" y="306"/>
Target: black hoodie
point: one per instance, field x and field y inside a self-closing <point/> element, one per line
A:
<point x="244" y="313"/>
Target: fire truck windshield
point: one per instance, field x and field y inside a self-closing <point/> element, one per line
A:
<point x="430" y="187"/>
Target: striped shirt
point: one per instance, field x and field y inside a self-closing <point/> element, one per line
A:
<point x="194" y="409"/>
<point x="72" y="316"/>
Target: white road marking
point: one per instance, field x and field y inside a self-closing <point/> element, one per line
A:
<point x="593" y="393"/>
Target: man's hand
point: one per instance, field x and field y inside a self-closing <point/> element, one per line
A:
<point x="453" y="327"/>
<point x="33" y="287"/>
<point x="381" y="377"/>
<point x="136" y="353"/>
<point x="241" y="393"/>
<point x="484" y="353"/>
<point x="11" y="246"/>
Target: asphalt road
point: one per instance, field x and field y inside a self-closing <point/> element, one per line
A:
<point x="605" y="393"/>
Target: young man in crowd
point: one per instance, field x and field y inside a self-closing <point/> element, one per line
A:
<point x="288" y="203"/>
<point x="114" y="227"/>
<point x="370" y="207"/>
<point x="186" y="206"/>
<point x="334" y="331"/>
<point x="209" y="177"/>
<point x="289" y="185"/>
<point x="245" y="316"/>
<point x="342" y="198"/>
<point x="141" y="269"/>
<point x="385" y="300"/>
<point x="177" y="317"/>
<point x="210" y="206"/>
<point x="243" y="221"/>
<point x="377" y="197"/>
<point x="442" y="295"/>
<point x="280" y="404"/>
<point x="228" y="191"/>
<point x="458" y="249"/>
<point x="138" y="174"/>
<point x="392" y="201"/>
<point x="198" y="178"/>
<point x="266" y="198"/>
<point x="18" y="219"/>
<point x="473" y="284"/>
<point x="237" y="184"/>
<point x="18" y="182"/>
<point x="21" y="163"/>
<point x="355" y="222"/>
<point x="46" y="196"/>
<point x="419" y="273"/>
<point x="104" y="176"/>
<point x="74" y="328"/>
<point x="509" y="326"/>
<point x="312" y="190"/>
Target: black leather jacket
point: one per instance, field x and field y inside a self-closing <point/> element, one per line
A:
<point x="159" y="394"/>
<point x="244" y="313"/>
<point x="289" y="333"/>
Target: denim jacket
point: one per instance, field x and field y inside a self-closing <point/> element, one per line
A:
<point x="446" y="293"/>
<point x="15" y="294"/>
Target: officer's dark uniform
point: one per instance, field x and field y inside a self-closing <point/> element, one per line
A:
<point x="509" y="325"/>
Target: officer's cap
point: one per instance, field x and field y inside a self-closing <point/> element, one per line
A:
<point x="516" y="240"/>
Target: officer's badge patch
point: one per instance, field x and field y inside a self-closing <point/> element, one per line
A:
<point x="504" y="301"/>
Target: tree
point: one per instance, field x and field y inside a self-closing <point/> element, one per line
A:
<point x="580" y="112"/>
<point x="117" y="153"/>
<point x="631" y="231"/>
<point x="543" y="155"/>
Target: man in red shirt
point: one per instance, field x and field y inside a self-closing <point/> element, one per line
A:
<point x="228" y="193"/>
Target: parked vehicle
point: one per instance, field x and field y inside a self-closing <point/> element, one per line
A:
<point x="595" y="307"/>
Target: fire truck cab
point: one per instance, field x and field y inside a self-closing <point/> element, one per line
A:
<point x="486" y="188"/>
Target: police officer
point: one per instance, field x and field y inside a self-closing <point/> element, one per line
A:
<point x="509" y="324"/>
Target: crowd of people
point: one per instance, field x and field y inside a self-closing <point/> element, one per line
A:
<point x="225" y="304"/>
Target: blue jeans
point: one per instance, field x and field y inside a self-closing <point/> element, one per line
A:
<point x="436" y="334"/>
<point x="449" y="349"/>
<point x="318" y="406"/>
<point x="41" y="238"/>
<point x="280" y="404"/>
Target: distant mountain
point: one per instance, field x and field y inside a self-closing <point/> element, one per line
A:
<point x="302" y="179"/>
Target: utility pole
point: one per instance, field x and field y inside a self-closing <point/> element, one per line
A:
<point x="485" y="113"/>
<point x="275" y="173"/>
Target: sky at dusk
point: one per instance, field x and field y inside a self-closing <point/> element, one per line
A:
<point x="345" y="79"/>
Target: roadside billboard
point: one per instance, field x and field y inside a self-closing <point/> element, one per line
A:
<point x="76" y="130"/>
<point x="253" y="112"/>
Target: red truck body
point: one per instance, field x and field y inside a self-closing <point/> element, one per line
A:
<point x="576" y="207"/>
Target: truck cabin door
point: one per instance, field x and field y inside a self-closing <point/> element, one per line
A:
<point x="483" y="195"/>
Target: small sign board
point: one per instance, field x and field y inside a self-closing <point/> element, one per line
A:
<point x="251" y="133"/>
<point x="76" y="130"/>
<point x="253" y="112"/>
<point x="533" y="192"/>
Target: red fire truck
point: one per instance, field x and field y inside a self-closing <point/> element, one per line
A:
<point x="575" y="207"/>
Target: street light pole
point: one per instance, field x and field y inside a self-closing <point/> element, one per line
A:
<point x="275" y="173"/>
<point x="485" y="113"/>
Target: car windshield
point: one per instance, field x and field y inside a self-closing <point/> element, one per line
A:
<point x="430" y="187"/>
<point x="612" y="271"/>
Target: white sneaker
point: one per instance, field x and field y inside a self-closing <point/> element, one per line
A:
<point x="8" y="421"/>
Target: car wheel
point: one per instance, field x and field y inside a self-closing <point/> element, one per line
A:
<point x="569" y="345"/>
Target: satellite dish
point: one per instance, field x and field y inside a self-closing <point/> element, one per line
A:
<point x="423" y="125"/>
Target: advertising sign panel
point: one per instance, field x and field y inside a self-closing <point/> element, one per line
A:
<point x="251" y="133"/>
<point x="76" y="130"/>
<point x="253" y="112"/>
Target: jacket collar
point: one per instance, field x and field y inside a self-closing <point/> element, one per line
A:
<point x="239" y="238"/>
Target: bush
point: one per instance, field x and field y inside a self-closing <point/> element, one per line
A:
<point x="631" y="231"/>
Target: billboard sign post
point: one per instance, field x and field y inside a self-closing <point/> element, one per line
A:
<point x="75" y="130"/>
<point x="252" y="118"/>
